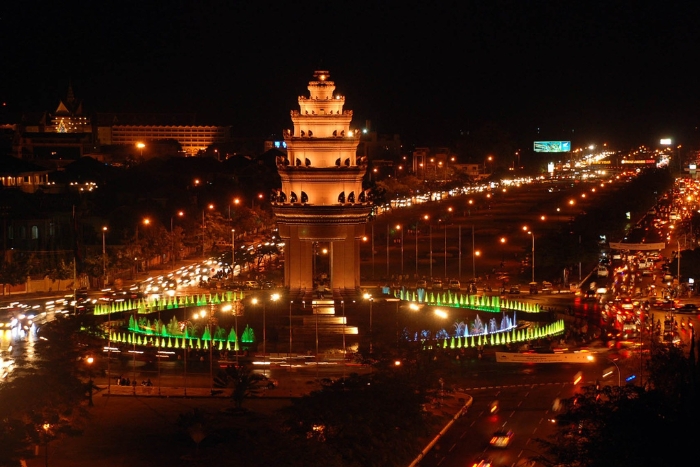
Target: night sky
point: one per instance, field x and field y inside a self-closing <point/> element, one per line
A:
<point x="585" y="71"/>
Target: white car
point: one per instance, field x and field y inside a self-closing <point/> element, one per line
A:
<point x="602" y="271"/>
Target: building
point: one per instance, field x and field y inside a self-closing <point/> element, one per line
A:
<point x="321" y="209"/>
<point x="433" y="164"/>
<point x="54" y="139"/>
<point x="140" y="130"/>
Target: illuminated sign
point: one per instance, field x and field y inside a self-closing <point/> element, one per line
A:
<point x="638" y="161"/>
<point x="665" y="141"/>
<point x="552" y="146"/>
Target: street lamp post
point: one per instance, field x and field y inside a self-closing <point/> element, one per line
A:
<point x="90" y="361"/>
<point x="473" y="256"/>
<point x="291" y="302"/>
<point x="133" y="358"/>
<point x="172" y="238"/>
<point x="373" y="251"/>
<point x="387" y="250"/>
<point x="532" y="234"/>
<point x="430" y="241"/>
<point x="233" y="254"/>
<point x="185" y="340"/>
<point x="368" y="296"/>
<point x="109" y="350"/>
<point x="237" y="307"/>
<point x="342" y="304"/>
<point x="459" y="263"/>
<point x="619" y="374"/>
<point x="445" y="250"/>
<point x="397" y="301"/>
<point x="417" y="249"/>
<point x="204" y="225"/>
<point x="400" y="228"/>
<point x="489" y="159"/>
<point x="210" y="325"/>
<point x="533" y="256"/>
<point x="679" y="262"/>
<point x="104" y="258"/>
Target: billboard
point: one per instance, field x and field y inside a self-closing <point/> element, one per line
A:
<point x="563" y="357"/>
<point x="552" y="146"/>
<point x="637" y="246"/>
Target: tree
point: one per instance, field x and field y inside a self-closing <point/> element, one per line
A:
<point x="631" y="425"/>
<point x="13" y="272"/>
<point x="61" y="272"/>
<point x="370" y="420"/>
<point x="46" y="399"/>
<point x="245" y="384"/>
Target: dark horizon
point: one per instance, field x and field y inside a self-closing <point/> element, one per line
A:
<point x="589" y="72"/>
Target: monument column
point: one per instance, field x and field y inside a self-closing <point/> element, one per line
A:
<point x="322" y="198"/>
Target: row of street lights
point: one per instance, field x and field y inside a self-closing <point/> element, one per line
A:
<point x="475" y="253"/>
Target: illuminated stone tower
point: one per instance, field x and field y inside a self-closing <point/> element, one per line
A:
<point x="321" y="209"/>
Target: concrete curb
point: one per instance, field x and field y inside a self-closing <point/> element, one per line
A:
<point x="462" y="411"/>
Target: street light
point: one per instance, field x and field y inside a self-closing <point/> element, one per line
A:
<point x="145" y="221"/>
<point x="172" y="238"/>
<point x="398" y="227"/>
<point x="255" y="301"/>
<point x="489" y="159"/>
<point x="104" y="258"/>
<point x="204" y="225"/>
<point x="233" y="254"/>
<point x="368" y="296"/>
<point x="90" y="361"/>
<point x="291" y="302"/>
<point x="591" y="358"/>
<point x="236" y="202"/>
<point x="445" y="248"/>
<point x="210" y="323"/>
<point x="397" y="301"/>
<point x="342" y="304"/>
<point x="387" y="250"/>
<point x="140" y="145"/>
<point x="430" y="242"/>
<point x="532" y="234"/>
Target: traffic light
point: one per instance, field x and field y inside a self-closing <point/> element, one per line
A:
<point x="578" y="377"/>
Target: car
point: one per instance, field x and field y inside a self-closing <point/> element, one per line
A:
<point x="482" y="461"/>
<point x="502" y="438"/>
<point x="265" y="381"/>
<point x="252" y="285"/>
<point x="514" y="289"/>
<point x="602" y="271"/>
<point x="454" y="285"/>
<point x="437" y="284"/>
<point x="421" y="284"/>
<point x="687" y="308"/>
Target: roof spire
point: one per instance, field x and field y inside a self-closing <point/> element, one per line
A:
<point x="70" y="97"/>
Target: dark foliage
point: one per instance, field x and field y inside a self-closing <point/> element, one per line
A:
<point x="370" y="420"/>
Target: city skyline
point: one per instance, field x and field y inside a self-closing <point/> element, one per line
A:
<point x="618" y="73"/>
